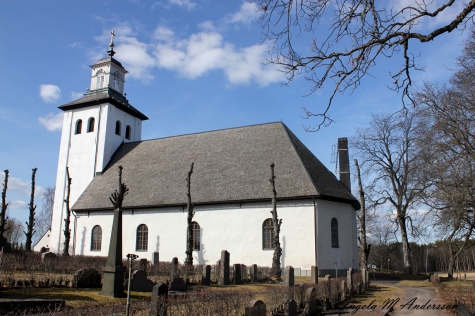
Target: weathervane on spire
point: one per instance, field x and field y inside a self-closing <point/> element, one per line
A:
<point x="111" y="45"/>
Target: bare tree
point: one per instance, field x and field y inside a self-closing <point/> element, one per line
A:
<point x="191" y="213"/>
<point x="43" y="219"/>
<point x="31" y="220"/>
<point x="276" y="270"/>
<point x="360" y="34"/>
<point x="388" y="151"/>
<point x="3" y="212"/>
<point x="448" y="139"/>
<point x="15" y="232"/>
<point x="67" y="220"/>
<point x="362" y="220"/>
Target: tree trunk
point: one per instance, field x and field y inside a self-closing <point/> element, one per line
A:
<point x="276" y="270"/>
<point x="406" y="250"/>
<point x="364" y="245"/>
<point x="191" y="213"/>
<point x="67" y="220"/>
<point x="31" y="221"/>
<point x="3" y="212"/>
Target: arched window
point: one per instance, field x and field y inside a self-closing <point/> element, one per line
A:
<point x="127" y="132"/>
<point x="96" y="238"/>
<point x="334" y="228"/>
<point x="78" y="127"/>
<point x="195" y="227"/>
<point x="117" y="128"/>
<point x="99" y="79"/>
<point x="268" y="234"/>
<point x="90" y="124"/>
<point x="116" y="80"/>
<point x="142" y="237"/>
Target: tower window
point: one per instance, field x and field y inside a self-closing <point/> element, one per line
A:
<point x="96" y="238"/>
<point x="100" y="79"/>
<point x="195" y="227"/>
<point x="334" y="229"/>
<point x="78" y="127"/>
<point x="117" y="128"/>
<point x="142" y="237"/>
<point x="268" y="234"/>
<point x="127" y="132"/>
<point x="90" y="125"/>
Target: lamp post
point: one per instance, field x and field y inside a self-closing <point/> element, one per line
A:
<point x="130" y="258"/>
<point x="427" y="254"/>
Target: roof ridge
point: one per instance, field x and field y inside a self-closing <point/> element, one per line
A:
<point x="211" y="131"/>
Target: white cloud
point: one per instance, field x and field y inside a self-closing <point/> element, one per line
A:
<point x="52" y="122"/>
<point x="163" y="34"/>
<point x="207" y="51"/>
<point x="49" y="93"/>
<point x="183" y="3"/>
<point x="248" y="12"/>
<point x="16" y="185"/>
<point x="76" y="95"/>
<point x="17" y="205"/>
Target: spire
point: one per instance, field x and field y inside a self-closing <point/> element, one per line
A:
<point x="111" y="52"/>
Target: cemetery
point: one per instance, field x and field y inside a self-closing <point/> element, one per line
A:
<point x="166" y="287"/>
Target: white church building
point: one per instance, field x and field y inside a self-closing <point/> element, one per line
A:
<point x="229" y="186"/>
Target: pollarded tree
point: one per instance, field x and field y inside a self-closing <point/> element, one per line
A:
<point x="67" y="220"/>
<point x="276" y="270"/>
<point x="356" y="37"/>
<point x="31" y="220"/>
<point x="191" y="213"/>
<point x="3" y="211"/>
<point x="387" y="149"/>
<point x="362" y="216"/>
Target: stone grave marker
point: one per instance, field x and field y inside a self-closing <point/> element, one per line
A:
<point x="48" y="255"/>
<point x="290" y="308"/>
<point x="349" y="279"/>
<point x="363" y="278"/>
<point x="289" y="276"/>
<point x="87" y="278"/>
<point x="174" y="269"/>
<point x="224" y="268"/>
<point x="177" y="284"/>
<point x="159" y="291"/>
<point x="206" y="278"/>
<point x="237" y="274"/>
<point x="314" y="274"/>
<point x="256" y="308"/>
<point x="327" y="277"/>
<point x="254" y="273"/>
<point x="311" y="301"/>
<point x="343" y="290"/>
<point x="140" y="282"/>
<point x="243" y="273"/>
<point x="156" y="258"/>
<point x="143" y="264"/>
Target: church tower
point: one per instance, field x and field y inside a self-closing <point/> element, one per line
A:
<point x="94" y="126"/>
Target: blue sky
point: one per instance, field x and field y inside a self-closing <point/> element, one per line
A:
<point x="194" y="65"/>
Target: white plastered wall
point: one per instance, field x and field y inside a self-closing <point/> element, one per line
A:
<point x="85" y="154"/>
<point x="346" y="254"/>
<point x="237" y="229"/>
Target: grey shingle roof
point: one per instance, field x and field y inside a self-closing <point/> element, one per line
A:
<point x="107" y="59"/>
<point x="231" y="165"/>
<point x="101" y="96"/>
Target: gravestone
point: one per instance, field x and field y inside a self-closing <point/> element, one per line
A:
<point x="155" y="260"/>
<point x="224" y="268"/>
<point x="254" y="273"/>
<point x="48" y="255"/>
<point x="343" y="290"/>
<point x="140" y="282"/>
<point x="243" y="273"/>
<point x="289" y="276"/>
<point x="314" y="274"/>
<point x="87" y="278"/>
<point x="363" y="278"/>
<point x="237" y="274"/>
<point x="256" y="308"/>
<point x="327" y="277"/>
<point x="143" y="264"/>
<point x="349" y="279"/>
<point x="359" y="288"/>
<point x="206" y="278"/>
<point x="298" y="271"/>
<point x="290" y="308"/>
<point x="177" y="284"/>
<point x="159" y="293"/>
<point x="174" y="269"/>
<point x="311" y="301"/>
